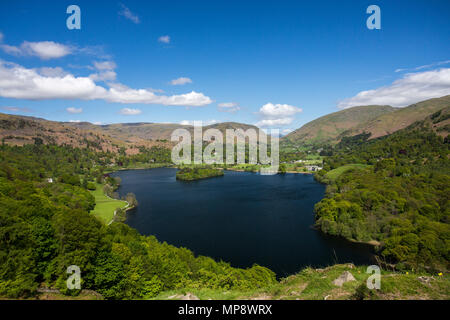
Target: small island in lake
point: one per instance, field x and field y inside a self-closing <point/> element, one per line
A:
<point x="197" y="173"/>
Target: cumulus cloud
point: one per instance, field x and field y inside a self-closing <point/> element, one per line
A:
<point x="130" y="112"/>
<point x="104" y="76"/>
<point x="228" y="107"/>
<point x="52" y="72"/>
<point x="164" y="39"/>
<point x="74" y="110"/>
<point x="105" y="71"/>
<point x="277" y="114"/>
<point x="274" y="122"/>
<point x="128" y="14"/>
<point x="412" y="88"/>
<point x="180" y="81"/>
<point x="22" y="83"/>
<point x="204" y="122"/>
<point x="44" y="49"/>
<point x="75" y="121"/>
<point x="105" y="65"/>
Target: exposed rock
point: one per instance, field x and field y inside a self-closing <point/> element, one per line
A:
<point x="189" y="296"/>
<point x="425" y="279"/>
<point x="343" y="278"/>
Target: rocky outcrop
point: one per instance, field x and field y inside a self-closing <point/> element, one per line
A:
<point x="343" y="278"/>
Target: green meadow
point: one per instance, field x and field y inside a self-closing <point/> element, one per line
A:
<point x="105" y="206"/>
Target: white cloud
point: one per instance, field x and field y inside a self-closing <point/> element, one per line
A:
<point x="1" y="37"/>
<point x="105" y="65"/>
<point x="130" y="112"/>
<point x="426" y="66"/>
<point x="129" y="15"/>
<point x="22" y="83"/>
<point x="98" y="123"/>
<point x="274" y="122"/>
<point x="228" y="107"/>
<point x="106" y="71"/>
<point x="193" y="99"/>
<point x="180" y="81"/>
<point x="412" y="88"/>
<point x="204" y="122"/>
<point x="44" y="49"/>
<point x="164" y="39"/>
<point x="277" y="114"/>
<point x="104" y="76"/>
<point x="75" y="121"/>
<point x="52" y="72"/>
<point x="74" y="110"/>
<point x="16" y="109"/>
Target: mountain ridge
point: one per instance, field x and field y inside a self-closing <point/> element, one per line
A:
<point x="381" y="121"/>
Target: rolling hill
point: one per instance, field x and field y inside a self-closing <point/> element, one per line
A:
<point x="328" y="128"/>
<point x="376" y="120"/>
<point x="160" y="132"/>
<point x="20" y="130"/>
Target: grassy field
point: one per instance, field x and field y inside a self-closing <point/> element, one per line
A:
<point x="105" y="206"/>
<point x="335" y="173"/>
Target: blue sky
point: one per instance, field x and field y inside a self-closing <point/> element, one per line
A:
<point x="272" y="63"/>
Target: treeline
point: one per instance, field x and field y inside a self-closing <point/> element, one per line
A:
<point x="197" y="172"/>
<point x="45" y="227"/>
<point x="400" y="199"/>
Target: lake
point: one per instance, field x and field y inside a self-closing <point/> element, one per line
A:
<point x="241" y="218"/>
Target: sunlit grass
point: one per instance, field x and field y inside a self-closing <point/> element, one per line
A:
<point x="105" y="206"/>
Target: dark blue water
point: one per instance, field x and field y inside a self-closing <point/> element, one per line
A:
<point x="242" y="218"/>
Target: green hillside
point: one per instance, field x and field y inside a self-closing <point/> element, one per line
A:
<point x="328" y="128"/>
<point x="389" y="123"/>
<point x="376" y="120"/>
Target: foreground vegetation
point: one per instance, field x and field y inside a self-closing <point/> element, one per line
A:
<point x="46" y="226"/>
<point x="398" y="195"/>
<point x="317" y="284"/>
<point x="393" y="190"/>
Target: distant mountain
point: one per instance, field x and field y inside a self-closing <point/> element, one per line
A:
<point x="401" y="118"/>
<point x="132" y="132"/>
<point x="438" y="121"/>
<point x="376" y="120"/>
<point x="328" y="128"/>
<point x="20" y="130"/>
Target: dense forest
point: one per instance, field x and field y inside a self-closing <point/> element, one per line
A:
<point x="45" y="226"/>
<point x="398" y="195"/>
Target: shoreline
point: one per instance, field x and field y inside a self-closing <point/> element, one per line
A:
<point x="372" y="243"/>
